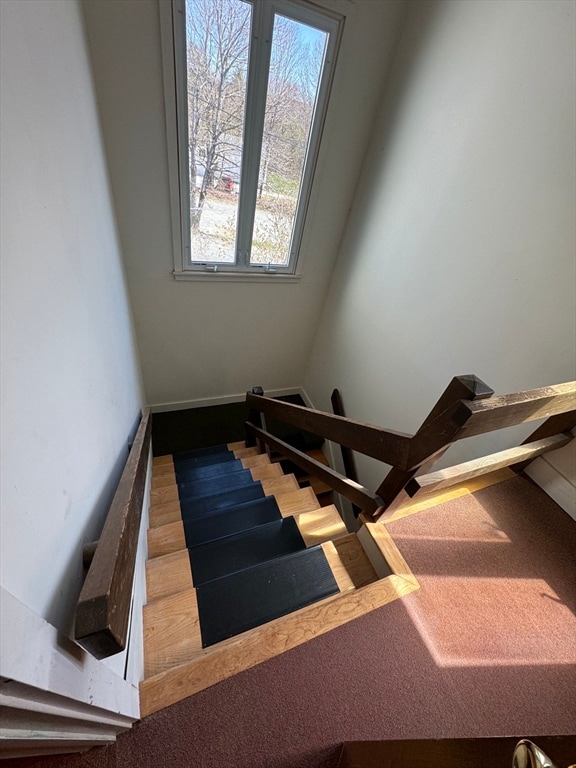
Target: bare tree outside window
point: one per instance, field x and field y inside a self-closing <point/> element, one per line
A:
<point x="218" y="34"/>
<point x="217" y="43"/>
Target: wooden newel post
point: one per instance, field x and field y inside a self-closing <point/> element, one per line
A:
<point x="467" y="387"/>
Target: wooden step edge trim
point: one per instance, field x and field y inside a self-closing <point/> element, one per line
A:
<point x="251" y="648"/>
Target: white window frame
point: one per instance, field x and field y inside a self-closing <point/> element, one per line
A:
<point x="175" y="89"/>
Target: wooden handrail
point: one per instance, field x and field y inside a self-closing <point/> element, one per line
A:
<point x="519" y="408"/>
<point x="444" y="478"/>
<point x="347" y="455"/>
<point x="103" y="609"/>
<point x="365" y="499"/>
<point x="430" y="442"/>
<point x="384" y="445"/>
<point x="467" y="407"/>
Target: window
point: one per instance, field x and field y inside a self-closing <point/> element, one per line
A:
<point x="252" y="81"/>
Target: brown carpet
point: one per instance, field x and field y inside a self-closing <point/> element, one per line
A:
<point x="497" y="589"/>
<point x="487" y="647"/>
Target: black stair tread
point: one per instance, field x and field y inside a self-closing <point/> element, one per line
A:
<point x="203" y="505"/>
<point x="202" y="461"/>
<point x="227" y="522"/>
<point x="243" y="550"/>
<point x="234" y="604"/>
<point x="199" y="453"/>
<point x="212" y="485"/>
<point x="186" y="473"/>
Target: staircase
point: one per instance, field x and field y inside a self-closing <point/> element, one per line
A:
<point x="245" y="564"/>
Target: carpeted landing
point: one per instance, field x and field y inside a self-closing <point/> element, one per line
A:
<point x="498" y="578"/>
<point x="486" y="647"/>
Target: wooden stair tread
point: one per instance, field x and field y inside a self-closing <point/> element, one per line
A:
<point x="237" y="446"/>
<point x="159" y="461"/>
<point x="266" y="472"/>
<point x="161" y="470"/>
<point x="320" y="525"/>
<point x="295" y="502"/>
<point x="166" y="539"/>
<point x="167" y="575"/>
<point x="280" y="485"/>
<point x="243" y="453"/>
<point x="164" y="494"/>
<point x="171" y="632"/>
<point x="161" y="514"/>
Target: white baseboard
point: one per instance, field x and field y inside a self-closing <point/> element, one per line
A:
<point x="202" y="402"/>
<point x="554" y="484"/>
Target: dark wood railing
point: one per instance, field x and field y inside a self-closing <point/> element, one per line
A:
<point x="103" y="608"/>
<point x="347" y="455"/>
<point x="467" y="407"/>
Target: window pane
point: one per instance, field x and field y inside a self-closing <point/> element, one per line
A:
<point x="217" y="44"/>
<point x="295" y="69"/>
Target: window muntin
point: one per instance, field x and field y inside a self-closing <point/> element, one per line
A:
<point x="252" y="82"/>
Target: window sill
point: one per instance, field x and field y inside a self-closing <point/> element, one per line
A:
<point x="232" y="277"/>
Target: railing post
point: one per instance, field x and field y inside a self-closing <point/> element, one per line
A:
<point x="391" y="491"/>
<point x="259" y="420"/>
<point x="347" y="454"/>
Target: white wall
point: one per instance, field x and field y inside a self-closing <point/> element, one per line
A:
<point x="71" y="393"/>
<point x="556" y="474"/>
<point x="212" y="339"/>
<point x="459" y="255"/>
